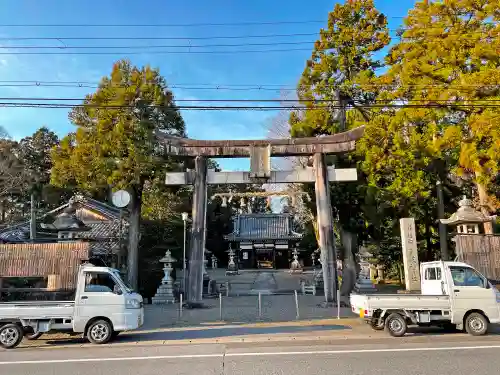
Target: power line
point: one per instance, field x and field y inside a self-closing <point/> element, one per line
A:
<point x="231" y="86"/>
<point x="164" y="37"/>
<point x="445" y="101"/>
<point x="248" y="23"/>
<point x="245" y="36"/>
<point x="157" y="52"/>
<point x="163" y="46"/>
<point x="238" y="108"/>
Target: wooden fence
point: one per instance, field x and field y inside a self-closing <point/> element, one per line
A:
<point x="480" y="251"/>
<point x="60" y="261"/>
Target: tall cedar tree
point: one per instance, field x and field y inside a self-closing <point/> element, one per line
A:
<point x="342" y="60"/>
<point x="341" y="66"/>
<point x="115" y="143"/>
<point x="447" y="68"/>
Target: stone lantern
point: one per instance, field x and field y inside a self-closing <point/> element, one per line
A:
<point x="232" y="269"/>
<point x="467" y="219"/>
<point x="295" y="265"/>
<point x="164" y="293"/>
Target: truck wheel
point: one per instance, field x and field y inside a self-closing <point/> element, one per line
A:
<point x="396" y="325"/>
<point x="476" y="324"/>
<point x="11" y="336"/>
<point x="377" y="324"/>
<point x="100" y="332"/>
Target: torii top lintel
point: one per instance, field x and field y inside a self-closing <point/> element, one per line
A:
<point x="330" y="144"/>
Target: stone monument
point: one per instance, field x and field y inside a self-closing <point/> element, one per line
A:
<point x="410" y="254"/>
<point x="214" y="261"/>
<point x="164" y="293"/>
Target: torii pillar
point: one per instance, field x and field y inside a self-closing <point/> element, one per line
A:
<point x="260" y="153"/>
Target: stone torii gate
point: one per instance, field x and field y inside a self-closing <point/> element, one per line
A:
<point x="260" y="153"/>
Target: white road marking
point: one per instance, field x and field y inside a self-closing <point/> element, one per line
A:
<point x="254" y="354"/>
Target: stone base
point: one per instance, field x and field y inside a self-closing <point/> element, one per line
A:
<point x="365" y="285"/>
<point x="232" y="272"/>
<point x="162" y="300"/>
<point x="164" y="295"/>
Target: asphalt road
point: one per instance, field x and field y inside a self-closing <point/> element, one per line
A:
<point x="424" y="356"/>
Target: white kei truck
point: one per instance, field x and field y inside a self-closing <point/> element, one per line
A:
<point x="453" y="295"/>
<point x="103" y="306"/>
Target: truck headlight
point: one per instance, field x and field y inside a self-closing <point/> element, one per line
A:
<point x="132" y="304"/>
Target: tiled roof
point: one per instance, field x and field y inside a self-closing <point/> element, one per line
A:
<point x="107" y="230"/>
<point x="262" y="227"/>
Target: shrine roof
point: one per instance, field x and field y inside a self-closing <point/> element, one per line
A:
<point x="252" y="227"/>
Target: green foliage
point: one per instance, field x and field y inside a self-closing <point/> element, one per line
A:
<point x="446" y="69"/>
<point x="341" y="63"/>
<point x="116" y="145"/>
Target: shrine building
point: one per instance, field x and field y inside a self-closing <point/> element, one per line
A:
<point x="263" y="240"/>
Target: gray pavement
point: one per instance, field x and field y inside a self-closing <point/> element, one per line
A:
<point x="422" y="355"/>
<point x="243" y="309"/>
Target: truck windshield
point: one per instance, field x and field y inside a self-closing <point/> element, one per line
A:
<point x="465" y="276"/>
<point x="127" y="288"/>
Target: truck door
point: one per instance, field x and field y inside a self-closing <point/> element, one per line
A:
<point x="433" y="283"/>
<point x="100" y="295"/>
<point x="471" y="291"/>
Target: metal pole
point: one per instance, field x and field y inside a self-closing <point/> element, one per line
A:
<point x="184" y="282"/>
<point x="297" y="305"/>
<point x="33" y="217"/>
<point x="180" y="306"/>
<point x="260" y="306"/>
<point x="338" y="303"/>
<point x="220" y="307"/>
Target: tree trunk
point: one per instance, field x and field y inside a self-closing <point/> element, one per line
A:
<point x="443" y="231"/>
<point x="349" y="272"/>
<point x="325" y="228"/>
<point x="428" y="242"/>
<point x="134" y="236"/>
<point x="2" y="214"/>
<point x="483" y="203"/>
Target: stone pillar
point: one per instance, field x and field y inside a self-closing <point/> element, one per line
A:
<point x="410" y="254"/>
<point x="195" y="281"/>
<point x="325" y="227"/>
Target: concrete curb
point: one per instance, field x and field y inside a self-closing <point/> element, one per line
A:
<point x="223" y="324"/>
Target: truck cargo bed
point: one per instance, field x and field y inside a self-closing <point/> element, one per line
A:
<point x="399" y="301"/>
<point x="36" y="310"/>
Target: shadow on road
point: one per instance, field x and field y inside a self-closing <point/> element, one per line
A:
<point x="212" y="333"/>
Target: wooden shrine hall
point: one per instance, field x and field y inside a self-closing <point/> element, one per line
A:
<point x="263" y="240"/>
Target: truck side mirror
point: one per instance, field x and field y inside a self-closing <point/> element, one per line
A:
<point x="117" y="290"/>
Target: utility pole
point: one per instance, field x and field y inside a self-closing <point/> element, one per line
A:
<point x="443" y="235"/>
<point x="33" y="217"/>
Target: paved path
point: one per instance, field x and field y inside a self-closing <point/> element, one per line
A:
<point x="422" y="355"/>
<point x="274" y="308"/>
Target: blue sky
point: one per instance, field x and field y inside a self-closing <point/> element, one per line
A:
<point x="277" y="68"/>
